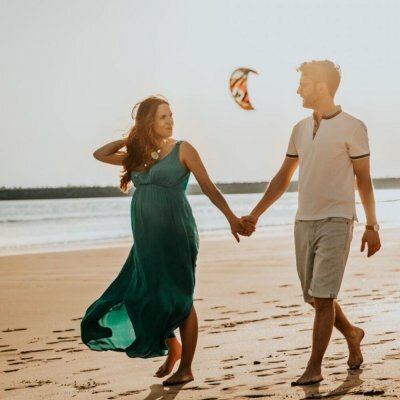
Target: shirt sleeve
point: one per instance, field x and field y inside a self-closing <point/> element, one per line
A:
<point x="291" y="149"/>
<point x="359" y="146"/>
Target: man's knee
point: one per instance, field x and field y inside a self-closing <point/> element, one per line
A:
<point x="323" y="304"/>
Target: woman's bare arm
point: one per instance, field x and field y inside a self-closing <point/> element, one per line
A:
<point x="110" y="153"/>
<point x="191" y="159"/>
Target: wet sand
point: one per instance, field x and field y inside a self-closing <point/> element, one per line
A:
<point x="255" y="330"/>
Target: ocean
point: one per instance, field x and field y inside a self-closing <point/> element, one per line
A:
<point x="30" y="226"/>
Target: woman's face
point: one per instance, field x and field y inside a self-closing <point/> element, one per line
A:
<point x="163" y="122"/>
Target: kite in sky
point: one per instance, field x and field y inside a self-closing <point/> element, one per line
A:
<point x="238" y="85"/>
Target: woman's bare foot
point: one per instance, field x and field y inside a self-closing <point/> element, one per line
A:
<point x="178" y="378"/>
<point x="355" y="355"/>
<point x="174" y="354"/>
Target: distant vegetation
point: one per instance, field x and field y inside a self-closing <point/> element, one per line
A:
<point x="71" y="192"/>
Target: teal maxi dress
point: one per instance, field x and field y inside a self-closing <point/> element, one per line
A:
<point x="153" y="293"/>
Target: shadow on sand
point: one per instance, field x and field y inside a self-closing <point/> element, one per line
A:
<point x="352" y="380"/>
<point x="160" y="392"/>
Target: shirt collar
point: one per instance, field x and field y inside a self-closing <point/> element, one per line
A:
<point x="337" y="111"/>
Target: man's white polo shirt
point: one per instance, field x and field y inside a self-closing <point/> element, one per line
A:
<point x="326" y="176"/>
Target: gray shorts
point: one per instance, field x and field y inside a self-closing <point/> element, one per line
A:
<point x="322" y="249"/>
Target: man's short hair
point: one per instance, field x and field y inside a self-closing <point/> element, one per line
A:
<point x="322" y="71"/>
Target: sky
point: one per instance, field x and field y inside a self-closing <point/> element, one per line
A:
<point x="71" y="71"/>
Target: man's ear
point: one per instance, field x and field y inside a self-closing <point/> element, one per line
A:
<point x="322" y="87"/>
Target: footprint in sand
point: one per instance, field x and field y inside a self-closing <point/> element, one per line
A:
<point x="263" y="375"/>
<point x="65" y="330"/>
<point x="232" y="389"/>
<point x="293" y="323"/>
<point x="16" y="363"/>
<point x="216" y="319"/>
<point x="62" y="341"/>
<point x="280" y="316"/>
<point x="89" y="370"/>
<point x="250" y="292"/>
<point x="14" y="330"/>
<point x="231" y="359"/>
<point x="248" y="312"/>
<point x="65" y="349"/>
<point x="130" y="392"/>
<point x="102" y="391"/>
<point x="7" y="350"/>
<point x="33" y="384"/>
<point x="223" y="331"/>
<point x="260" y="388"/>
<point x="34" y="351"/>
<point x="289" y="306"/>
<point x="281" y="371"/>
<point x="90" y="384"/>
<point x="220" y="379"/>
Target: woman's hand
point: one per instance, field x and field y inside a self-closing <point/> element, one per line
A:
<point x="236" y="227"/>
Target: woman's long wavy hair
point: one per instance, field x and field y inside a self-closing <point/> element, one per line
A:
<point x="141" y="139"/>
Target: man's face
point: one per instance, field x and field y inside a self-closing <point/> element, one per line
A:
<point x="308" y="92"/>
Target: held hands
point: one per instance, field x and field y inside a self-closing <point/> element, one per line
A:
<point x="371" y="238"/>
<point x="241" y="227"/>
<point x="249" y="223"/>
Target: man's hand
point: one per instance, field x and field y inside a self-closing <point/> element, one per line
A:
<point x="371" y="238"/>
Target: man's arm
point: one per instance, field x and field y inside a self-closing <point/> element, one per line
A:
<point x="275" y="189"/>
<point x="361" y="169"/>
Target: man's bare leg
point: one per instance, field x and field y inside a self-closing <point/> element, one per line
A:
<point x="174" y="354"/>
<point x="322" y="331"/>
<point x="353" y="335"/>
<point x="189" y="332"/>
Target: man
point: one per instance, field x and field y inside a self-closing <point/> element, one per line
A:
<point x="332" y="151"/>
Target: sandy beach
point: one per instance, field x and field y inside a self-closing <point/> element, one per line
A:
<point x="255" y="330"/>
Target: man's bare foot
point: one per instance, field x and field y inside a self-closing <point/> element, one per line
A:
<point x="355" y="355"/>
<point x="310" y="377"/>
<point x="174" y="354"/>
<point x="178" y="378"/>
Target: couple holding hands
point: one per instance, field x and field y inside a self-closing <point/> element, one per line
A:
<point x="152" y="295"/>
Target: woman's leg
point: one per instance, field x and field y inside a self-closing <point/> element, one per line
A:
<point x="189" y="332"/>
<point x="174" y="354"/>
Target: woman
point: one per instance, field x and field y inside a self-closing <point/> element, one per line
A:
<point x="153" y="293"/>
